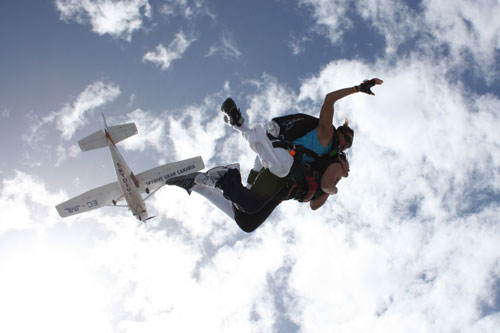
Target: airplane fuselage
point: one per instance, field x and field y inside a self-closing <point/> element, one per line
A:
<point x="128" y="183"/>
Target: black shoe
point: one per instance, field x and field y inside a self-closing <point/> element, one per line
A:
<point x="230" y="178"/>
<point x="232" y="113"/>
<point x="212" y="176"/>
<point x="185" y="181"/>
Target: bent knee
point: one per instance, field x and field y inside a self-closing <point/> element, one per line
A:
<point x="247" y="223"/>
<point x="247" y="229"/>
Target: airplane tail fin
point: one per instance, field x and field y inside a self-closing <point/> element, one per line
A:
<point x="98" y="139"/>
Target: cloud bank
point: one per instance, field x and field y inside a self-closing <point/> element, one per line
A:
<point x="406" y="245"/>
<point x="458" y="30"/>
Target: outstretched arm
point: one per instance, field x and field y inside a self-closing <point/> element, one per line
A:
<point x="325" y="125"/>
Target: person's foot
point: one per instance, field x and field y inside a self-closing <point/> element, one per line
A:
<point x="212" y="176"/>
<point x="232" y="113"/>
<point x="185" y="181"/>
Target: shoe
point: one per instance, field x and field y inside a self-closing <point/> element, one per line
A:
<point x="185" y="181"/>
<point x="212" y="176"/>
<point x="232" y="113"/>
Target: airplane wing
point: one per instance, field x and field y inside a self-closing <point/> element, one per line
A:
<point x="151" y="180"/>
<point x="95" y="198"/>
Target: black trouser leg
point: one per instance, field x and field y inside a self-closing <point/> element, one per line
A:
<point x="250" y="222"/>
<point x="233" y="190"/>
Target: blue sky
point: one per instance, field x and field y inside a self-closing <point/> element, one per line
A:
<point x="409" y="244"/>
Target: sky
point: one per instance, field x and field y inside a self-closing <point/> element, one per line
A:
<point x="411" y="242"/>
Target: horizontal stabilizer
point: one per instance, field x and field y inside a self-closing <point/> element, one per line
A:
<point x="121" y="132"/>
<point x="93" y="141"/>
<point x="98" y="139"/>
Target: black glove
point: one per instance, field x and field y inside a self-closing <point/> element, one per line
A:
<point x="366" y="86"/>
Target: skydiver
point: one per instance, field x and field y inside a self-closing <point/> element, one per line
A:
<point x="310" y="174"/>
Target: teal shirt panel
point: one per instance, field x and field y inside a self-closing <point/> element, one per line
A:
<point x="311" y="141"/>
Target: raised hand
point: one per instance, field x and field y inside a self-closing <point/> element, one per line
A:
<point x="366" y="86"/>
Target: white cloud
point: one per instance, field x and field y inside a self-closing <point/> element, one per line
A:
<point x="297" y="44"/>
<point x="467" y="27"/>
<point x="197" y="129"/>
<point x="163" y="57"/>
<point x="55" y="289"/>
<point x="399" y="277"/>
<point x="25" y="203"/>
<point x="331" y="17"/>
<point x="151" y="131"/>
<point x="45" y="278"/>
<point x="186" y="8"/>
<point x="395" y="21"/>
<point x="226" y="47"/>
<point x="72" y="115"/>
<point x="67" y="121"/>
<point x="456" y="30"/>
<point x="120" y="19"/>
<point x="95" y="95"/>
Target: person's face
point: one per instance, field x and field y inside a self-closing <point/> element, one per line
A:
<point x="345" y="140"/>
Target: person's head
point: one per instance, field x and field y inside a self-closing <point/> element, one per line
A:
<point x="345" y="136"/>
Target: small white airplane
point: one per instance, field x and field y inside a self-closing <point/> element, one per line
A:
<point x="129" y="186"/>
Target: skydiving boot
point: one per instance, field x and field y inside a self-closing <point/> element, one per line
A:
<point x="185" y="181"/>
<point x="232" y="113"/>
<point x="212" y="176"/>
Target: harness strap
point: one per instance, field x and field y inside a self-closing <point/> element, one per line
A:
<point x="303" y="180"/>
<point x="283" y="144"/>
<point x="298" y="148"/>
